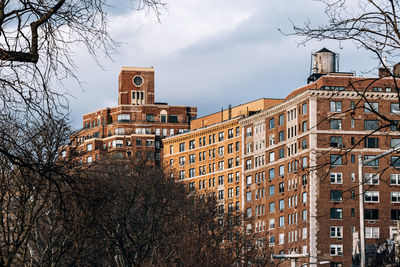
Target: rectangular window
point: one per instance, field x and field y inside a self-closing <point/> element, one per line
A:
<point x="304" y="125"/>
<point x="248" y="196"/>
<point x="336" y="159"/>
<point x="394" y="108"/>
<point x="371" y="196"/>
<point x="281" y="170"/>
<point x="271" y="190"/>
<point x="281" y="136"/>
<point x="394" y="179"/>
<point x="371" y="232"/>
<point x="371" y="142"/>
<point x="371" y="178"/>
<point x="304" y="109"/>
<point x="336" y="250"/>
<point x="336" y="195"/>
<point x="373" y="163"/>
<point x="335" y="106"/>
<point x="281" y="119"/>
<point x="395" y="161"/>
<point x="395" y="197"/>
<point x="271" y="207"/>
<point x="192" y="144"/>
<point x="336" y="214"/>
<point x="271" y="173"/>
<point x="371" y="107"/>
<point x="336" y="232"/>
<point x="281" y="153"/>
<point x="281" y="221"/>
<point x="271" y="156"/>
<point x="271" y="123"/>
<point x="395" y="215"/>
<point x="281" y="204"/>
<point x="181" y="147"/>
<point x="371" y="125"/>
<point x="124" y="117"/>
<point x="336" y="141"/>
<point x="221" y="136"/>
<point x="371" y="214"/>
<point x="335" y="124"/>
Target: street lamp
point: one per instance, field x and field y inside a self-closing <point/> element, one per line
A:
<point x="361" y="164"/>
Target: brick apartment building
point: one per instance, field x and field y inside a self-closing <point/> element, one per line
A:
<point x="136" y="126"/>
<point x="209" y="157"/>
<point x="297" y="163"/>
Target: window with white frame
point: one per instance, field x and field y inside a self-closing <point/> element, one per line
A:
<point x="281" y="221"/>
<point x="248" y="180"/>
<point x="371" y="232"/>
<point x="304" y="197"/>
<point x="89" y="147"/>
<point x="395" y="179"/>
<point x="304" y="234"/>
<point x="281" y="170"/>
<point x="336" y="250"/>
<point x="281" y="239"/>
<point x="335" y="106"/>
<point x="395" y="197"/>
<point x="336" y="232"/>
<point x="271" y="223"/>
<point x="371" y="196"/>
<point x="336" y="178"/>
<point x="271" y="156"/>
<point x="371" y="178"/>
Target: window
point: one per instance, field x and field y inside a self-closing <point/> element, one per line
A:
<point x="181" y="161"/>
<point x="271" y="173"/>
<point x="248" y="131"/>
<point x="336" y="232"/>
<point x="271" y="123"/>
<point x="281" y="119"/>
<point x="395" y="161"/>
<point x="371" y="142"/>
<point x="335" y="106"/>
<point x="371" y="106"/>
<point x="230" y="177"/>
<point x="220" y="194"/>
<point x="181" y="175"/>
<point x="304" y="179"/>
<point x="304" y="197"/>
<point x="281" y="221"/>
<point x="230" y="148"/>
<point x="336" y="214"/>
<point x="281" y="204"/>
<point x="118" y="143"/>
<point x="89" y="147"/>
<point x="281" y="170"/>
<point x="336" y="195"/>
<point x="230" y="133"/>
<point x="124" y="117"/>
<point x="281" y="153"/>
<point x="281" y="239"/>
<point x="335" y="141"/>
<point x="150" y="118"/>
<point x="271" y="190"/>
<point x="371" y="125"/>
<point x="335" y="124"/>
<point x="395" y="179"/>
<point x="248" y="212"/>
<point x="271" y="207"/>
<point x="89" y="159"/>
<point x="221" y="136"/>
<point x="395" y="214"/>
<point x="371" y="178"/>
<point x="304" y="109"/>
<point x="281" y="136"/>
<point x="394" y="108"/>
<point x="336" y="250"/>
<point x="336" y="159"/>
<point x="304" y="162"/>
<point x="371" y="196"/>
<point x="281" y="187"/>
<point x="248" y="164"/>
<point x="371" y="232"/>
<point x="304" y="125"/>
<point x="192" y="144"/>
<point x="371" y="214"/>
<point x="373" y="163"/>
<point x="220" y="180"/>
<point x="271" y="156"/>
<point x="192" y="172"/>
<point x="395" y="197"/>
<point x="248" y="196"/>
<point x="248" y="180"/>
<point x="181" y="147"/>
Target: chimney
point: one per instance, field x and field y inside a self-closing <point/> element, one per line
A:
<point x="230" y="111"/>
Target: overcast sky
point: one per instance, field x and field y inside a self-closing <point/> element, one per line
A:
<point x="209" y="54"/>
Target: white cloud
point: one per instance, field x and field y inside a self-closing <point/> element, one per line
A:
<point x="230" y="50"/>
